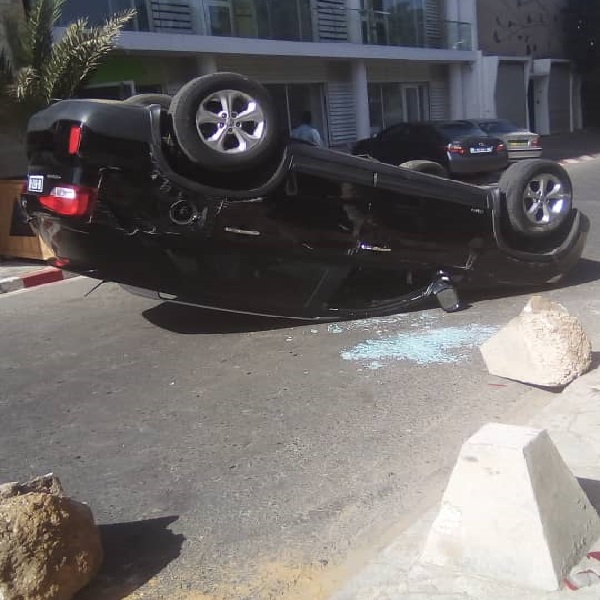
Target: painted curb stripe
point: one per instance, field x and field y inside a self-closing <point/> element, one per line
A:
<point x="50" y="275"/>
<point x="41" y="277"/>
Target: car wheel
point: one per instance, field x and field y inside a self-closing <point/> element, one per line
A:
<point x="163" y="100"/>
<point x="539" y="196"/>
<point x="224" y="121"/>
<point x="426" y="166"/>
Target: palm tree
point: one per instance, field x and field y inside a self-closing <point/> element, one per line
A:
<point x="43" y="70"/>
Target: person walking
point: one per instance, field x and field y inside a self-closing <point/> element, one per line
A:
<point x="305" y="131"/>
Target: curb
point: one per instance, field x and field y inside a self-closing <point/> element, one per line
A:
<point x="49" y="275"/>
<point x="579" y="159"/>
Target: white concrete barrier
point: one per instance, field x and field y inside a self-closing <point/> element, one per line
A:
<point x="512" y="511"/>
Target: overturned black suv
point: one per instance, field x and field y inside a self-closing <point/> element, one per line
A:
<point x="199" y="199"/>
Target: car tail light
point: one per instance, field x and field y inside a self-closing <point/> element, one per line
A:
<point x="536" y="142"/>
<point x="74" y="139"/>
<point x="69" y="200"/>
<point x="60" y="262"/>
<point x="456" y="149"/>
<point x="501" y="147"/>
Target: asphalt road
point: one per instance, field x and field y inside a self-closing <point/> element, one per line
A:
<point x="235" y="457"/>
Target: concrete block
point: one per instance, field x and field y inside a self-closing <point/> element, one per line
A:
<point x="544" y="345"/>
<point x="512" y="511"/>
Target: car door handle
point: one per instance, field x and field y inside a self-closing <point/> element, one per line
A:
<point x="242" y="231"/>
<point x="375" y="248"/>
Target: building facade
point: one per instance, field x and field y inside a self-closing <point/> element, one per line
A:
<point x="525" y="77"/>
<point x="357" y="65"/>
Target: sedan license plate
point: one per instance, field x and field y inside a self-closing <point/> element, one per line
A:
<point x="35" y="183"/>
<point x="481" y="149"/>
<point x="518" y="144"/>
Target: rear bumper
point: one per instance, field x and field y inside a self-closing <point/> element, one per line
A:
<point x="514" y="155"/>
<point x="469" y="165"/>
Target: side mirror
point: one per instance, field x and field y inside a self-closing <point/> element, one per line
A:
<point x="445" y="293"/>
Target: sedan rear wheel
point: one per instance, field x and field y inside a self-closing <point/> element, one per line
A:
<point x="426" y="166"/>
<point x="539" y="196"/>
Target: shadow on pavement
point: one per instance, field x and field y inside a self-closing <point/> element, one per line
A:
<point x="591" y="487"/>
<point x="189" y="320"/>
<point x="586" y="271"/>
<point x="133" y="554"/>
<point x="182" y="319"/>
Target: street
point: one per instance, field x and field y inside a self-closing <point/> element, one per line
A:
<point x="234" y="457"/>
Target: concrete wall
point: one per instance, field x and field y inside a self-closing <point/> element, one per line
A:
<point x="521" y="27"/>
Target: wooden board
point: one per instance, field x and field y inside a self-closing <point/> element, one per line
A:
<point x="16" y="238"/>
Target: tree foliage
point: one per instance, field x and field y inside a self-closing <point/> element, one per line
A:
<point x="581" y="21"/>
<point x="42" y="70"/>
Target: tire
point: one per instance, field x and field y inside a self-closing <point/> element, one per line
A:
<point x="163" y="100"/>
<point x="426" y="166"/>
<point x="538" y="195"/>
<point x="210" y="125"/>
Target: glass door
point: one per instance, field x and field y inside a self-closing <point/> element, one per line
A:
<point x="219" y="19"/>
<point x="245" y="19"/>
<point x="412" y="103"/>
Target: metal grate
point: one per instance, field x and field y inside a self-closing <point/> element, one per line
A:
<point x="332" y="20"/>
<point x="433" y="24"/>
<point x="171" y="16"/>
<point x="341" y="113"/>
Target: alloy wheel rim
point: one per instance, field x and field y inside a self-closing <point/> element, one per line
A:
<point x="546" y="199"/>
<point x="230" y="122"/>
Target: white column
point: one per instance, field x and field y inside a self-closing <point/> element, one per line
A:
<point x="467" y="13"/>
<point x="542" y="104"/>
<point x="528" y="73"/>
<point x="541" y="88"/>
<point x="577" y="114"/>
<point x="206" y="64"/>
<point x="361" y="98"/>
<point x="571" y="103"/>
<point x="452" y="10"/>
<point x="354" y="21"/>
<point x="456" y="92"/>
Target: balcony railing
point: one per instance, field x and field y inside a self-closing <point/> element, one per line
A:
<point x="294" y="20"/>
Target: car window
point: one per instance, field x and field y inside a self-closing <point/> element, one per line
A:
<point x="456" y="129"/>
<point x="500" y="126"/>
<point x="396" y="131"/>
<point x="426" y="133"/>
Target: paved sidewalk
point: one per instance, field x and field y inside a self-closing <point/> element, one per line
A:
<point x="572" y="147"/>
<point x="573" y="422"/>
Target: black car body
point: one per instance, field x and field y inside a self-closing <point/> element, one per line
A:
<point x="298" y="231"/>
<point x="459" y="146"/>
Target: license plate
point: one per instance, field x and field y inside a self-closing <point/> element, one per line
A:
<point x="518" y="144"/>
<point x="481" y="150"/>
<point x="35" y="183"/>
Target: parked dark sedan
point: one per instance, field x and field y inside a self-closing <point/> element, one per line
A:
<point x="198" y="199"/>
<point x="460" y="147"/>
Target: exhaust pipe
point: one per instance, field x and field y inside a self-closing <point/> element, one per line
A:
<point x="183" y="212"/>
